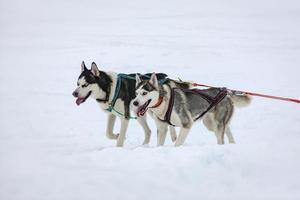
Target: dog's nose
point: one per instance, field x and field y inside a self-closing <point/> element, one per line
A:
<point x="75" y="94"/>
<point x="135" y="103"/>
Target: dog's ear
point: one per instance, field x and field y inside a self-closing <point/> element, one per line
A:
<point x="95" y="69"/>
<point x="137" y="80"/>
<point x="153" y="80"/>
<point x="83" y="67"/>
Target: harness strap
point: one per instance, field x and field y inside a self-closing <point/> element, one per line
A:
<point x="170" y="108"/>
<point x="212" y="101"/>
<point x="102" y="100"/>
<point x="113" y="109"/>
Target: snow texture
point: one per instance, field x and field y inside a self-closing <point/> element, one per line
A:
<point x="52" y="149"/>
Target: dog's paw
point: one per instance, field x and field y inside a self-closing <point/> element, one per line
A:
<point x="145" y="145"/>
<point x="116" y="136"/>
<point x="146" y="141"/>
<point x="113" y="136"/>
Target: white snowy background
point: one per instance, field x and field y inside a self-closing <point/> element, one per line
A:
<point x="50" y="149"/>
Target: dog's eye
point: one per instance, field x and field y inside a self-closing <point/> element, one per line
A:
<point x="144" y="93"/>
<point x="84" y="85"/>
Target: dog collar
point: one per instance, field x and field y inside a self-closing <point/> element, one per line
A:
<point x="102" y="100"/>
<point x="161" y="98"/>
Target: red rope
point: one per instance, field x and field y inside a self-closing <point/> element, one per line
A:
<point x="256" y="94"/>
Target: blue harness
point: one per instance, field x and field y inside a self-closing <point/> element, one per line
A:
<point x="118" y="88"/>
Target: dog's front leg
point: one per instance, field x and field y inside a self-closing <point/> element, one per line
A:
<point x="162" y="129"/>
<point x="161" y="135"/>
<point x="123" y="130"/>
<point x="182" y="136"/>
<point x="143" y="122"/>
<point x="171" y="128"/>
<point x="173" y="133"/>
<point x="110" y="127"/>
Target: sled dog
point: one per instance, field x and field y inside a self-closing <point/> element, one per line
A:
<point x="182" y="107"/>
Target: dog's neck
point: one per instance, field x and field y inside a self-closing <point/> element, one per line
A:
<point x="161" y="109"/>
<point x="114" y="78"/>
<point x="104" y="100"/>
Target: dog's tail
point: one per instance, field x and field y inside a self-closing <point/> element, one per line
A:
<point x="239" y="99"/>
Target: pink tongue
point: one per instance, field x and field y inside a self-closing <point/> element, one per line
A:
<point x="79" y="101"/>
<point x="141" y="112"/>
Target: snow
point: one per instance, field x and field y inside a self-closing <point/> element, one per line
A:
<point x="52" y="149"/>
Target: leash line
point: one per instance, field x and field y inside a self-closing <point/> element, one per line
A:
<point x="256" y="94"/>
<point x="111" y="108"/>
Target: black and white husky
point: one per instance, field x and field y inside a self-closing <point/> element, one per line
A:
<point x="105" y="88"/>
<point x="182" y="107"/>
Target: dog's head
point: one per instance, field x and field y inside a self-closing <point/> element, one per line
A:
<point x="147" y="94"/>
<point x="92" y="83"/>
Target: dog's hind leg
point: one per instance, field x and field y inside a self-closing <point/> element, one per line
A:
<point x="110" y="127"/>
<point x="142" y="121"/>
<point x="229" y="135"/>
<point x="220" y="132"/>
<point x="212" y="125"/>
<point x="123" y="130"/>
<point x="219" y="138"/>
<point x="173" y="133"/>
<point x="223" y="113"/>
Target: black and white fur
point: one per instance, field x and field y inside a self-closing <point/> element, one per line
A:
<point x="186" y="110"/>
<point x="101" y="86"/>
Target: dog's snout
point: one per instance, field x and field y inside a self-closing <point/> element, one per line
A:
<point x="135" y="103"/>
<point x="75" y="94"/>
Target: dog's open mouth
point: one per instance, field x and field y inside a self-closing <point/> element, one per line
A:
<point x="143" y="109"/>
<point x="80" y="100"/>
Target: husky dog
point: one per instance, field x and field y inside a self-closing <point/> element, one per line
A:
<point x="101" y="86"/>
<point x="182" y="107"/>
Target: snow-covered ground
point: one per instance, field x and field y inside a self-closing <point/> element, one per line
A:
<point x="52" y="149"/>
